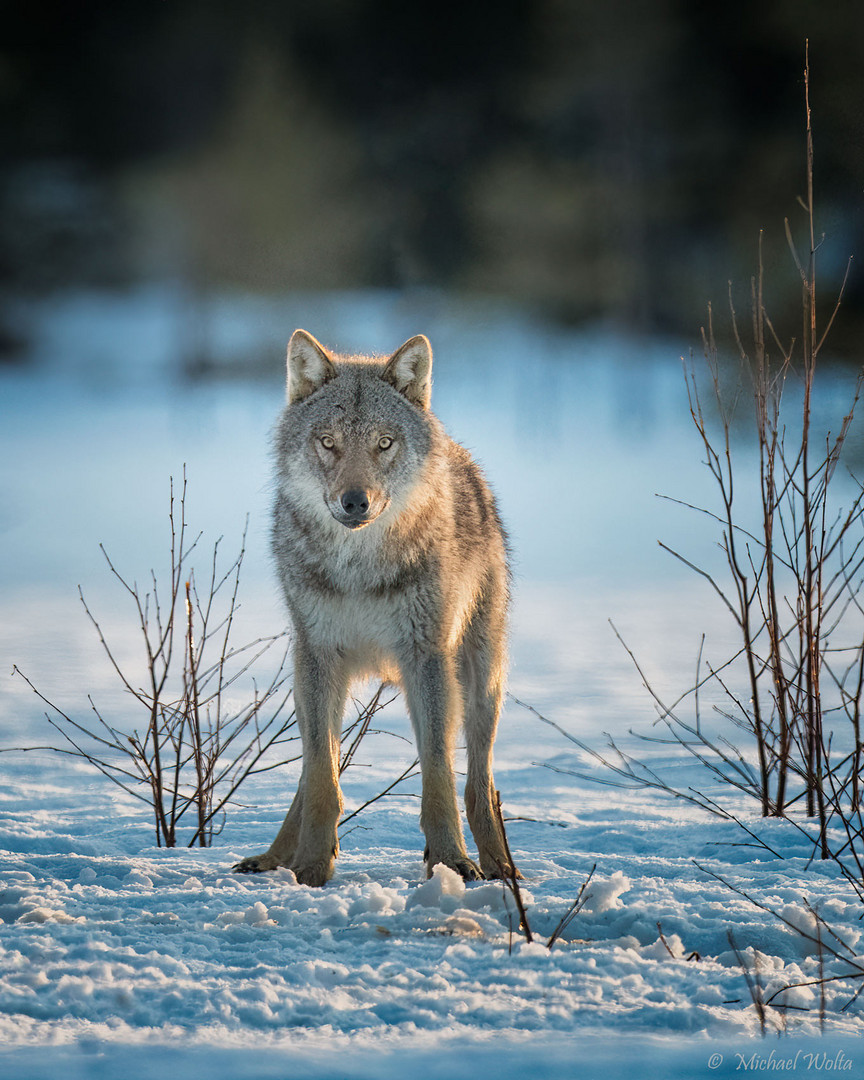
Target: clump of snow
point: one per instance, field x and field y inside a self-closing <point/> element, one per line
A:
<point x="668" y="947"/>
<point x="810" y="927"/>
<point x="462" y="925"/>
<point x="603" y="895"/>
<point x="136" y="877"/>
<point x="47" y="914"/>
<point x="444" y="889"/>
<point x="257" y="915"/>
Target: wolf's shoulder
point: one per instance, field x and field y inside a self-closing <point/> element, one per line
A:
<point x="462" y="466"/>
<point x="474" y="504"/>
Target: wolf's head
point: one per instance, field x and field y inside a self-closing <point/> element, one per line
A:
<point x="356" y="430"/>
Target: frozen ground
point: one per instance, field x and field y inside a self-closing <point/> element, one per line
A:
<point x="118" y="959"/>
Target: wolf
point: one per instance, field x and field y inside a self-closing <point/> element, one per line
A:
<point x="394" y="563"/>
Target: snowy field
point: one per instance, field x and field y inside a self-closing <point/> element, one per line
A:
<point x="120" y="959"/>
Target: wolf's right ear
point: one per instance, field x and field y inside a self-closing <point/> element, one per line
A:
<point x="309" y="366"/>
<point x="409" y="369"/>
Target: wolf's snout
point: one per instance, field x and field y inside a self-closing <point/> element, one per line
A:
<point x="356" y="508"/>
<point x="355" y="503"/>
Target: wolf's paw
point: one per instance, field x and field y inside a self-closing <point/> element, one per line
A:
<point x="499" y="869"/>
<point x="466" y="868"/>
<point x="257" y="864"/>
<point x="314" y="874"/>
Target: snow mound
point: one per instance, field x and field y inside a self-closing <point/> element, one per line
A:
<point x="446" y="891"/>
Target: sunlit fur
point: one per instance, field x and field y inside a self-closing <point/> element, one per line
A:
<point x="413" y="589"/>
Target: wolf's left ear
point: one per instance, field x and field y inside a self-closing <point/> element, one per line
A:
<point x="409" y="369"/>
<point x="309" y="366"/>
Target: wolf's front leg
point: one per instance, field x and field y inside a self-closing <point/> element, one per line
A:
<point x="320" y="690"/>
<point x="434" y="702"/>
<point x="307" y="841"/>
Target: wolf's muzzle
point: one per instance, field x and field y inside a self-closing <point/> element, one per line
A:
<point x="357" y="508"/>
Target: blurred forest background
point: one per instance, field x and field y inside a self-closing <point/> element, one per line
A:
<point x="610" y="160"/>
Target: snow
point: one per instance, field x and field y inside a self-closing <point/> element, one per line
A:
<point x="118" y="958"/>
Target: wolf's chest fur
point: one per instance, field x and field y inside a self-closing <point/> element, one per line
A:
<point x="371" y="592"/>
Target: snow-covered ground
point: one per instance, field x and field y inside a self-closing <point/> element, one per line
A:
<point x="119" y="959"/>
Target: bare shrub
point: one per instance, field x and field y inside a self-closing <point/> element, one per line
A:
<point x="786" y="724"/>
<point x="209" y="724"/>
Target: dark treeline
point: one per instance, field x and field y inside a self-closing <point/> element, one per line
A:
<point x="601" y="160"/>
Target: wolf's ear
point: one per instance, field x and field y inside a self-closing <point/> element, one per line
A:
<point x="309" y="366"/>
<point x="409" y="369"/>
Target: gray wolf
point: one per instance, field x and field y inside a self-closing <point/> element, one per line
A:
<point x="393" y="562"/>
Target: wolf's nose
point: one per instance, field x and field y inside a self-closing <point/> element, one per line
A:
<point x="355" y="503"/>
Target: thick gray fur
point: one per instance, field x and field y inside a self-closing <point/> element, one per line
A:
<point x="393" y="562"/>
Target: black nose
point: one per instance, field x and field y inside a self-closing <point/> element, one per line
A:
<point x="355" y="503"/>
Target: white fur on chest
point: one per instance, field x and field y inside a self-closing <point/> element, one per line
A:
<point x="352" y="613"/>
<point x="350" y="620"/>
<point x="367" y="630"/>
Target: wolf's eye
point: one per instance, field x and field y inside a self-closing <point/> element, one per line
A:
<point x="327" y="442"/>
<point x="385" y="442"/>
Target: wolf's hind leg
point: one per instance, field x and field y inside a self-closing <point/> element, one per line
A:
<point x="481" y="672"/>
